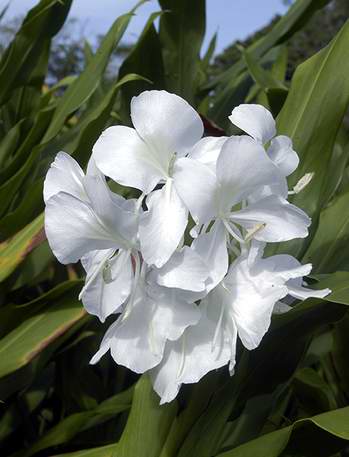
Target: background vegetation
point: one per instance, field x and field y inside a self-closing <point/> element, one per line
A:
<point x="290" y="396"/>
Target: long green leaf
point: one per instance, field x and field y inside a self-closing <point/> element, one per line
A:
<point x="86" y="84"/>
<point x="148" y="423"/>
<point x="24" y="53"/>
<point x="224" y="84"/>
<point x="103" y="451"/>
<point x="320" y="435"/>
<point x="182" y="30"/>
<point x="35" y="334"/>
<point x="144" y="59"/>
<point x="318" y="82"/>
<point x="328" y="249"/>
<point x="69" y="427"/>
<point x="14" y="251"/>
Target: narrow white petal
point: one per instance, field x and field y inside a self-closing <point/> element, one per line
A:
<point x="282" y="220"/>
<point x="302" y="293"/>
<point x="196" y="184"/>
<point x="243" y="167"/>
<point x="64" y="175"/>
<point x="282" y="154"/>
<point x="108" y="282"/>
<point x="162" y="226"/>
<point x="166" y="122"/>
<point x="255" y="120"/>
<point x="122" y="155"/>
<point x="105" y="344"/>
<point x="73" y="229"/>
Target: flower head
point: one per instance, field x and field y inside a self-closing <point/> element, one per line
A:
<point x="179" y="296"/>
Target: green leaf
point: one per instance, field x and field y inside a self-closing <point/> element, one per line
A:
<point x="145" y="59"/>
<point x="311" y="390"/>
<point x="25" y="159"/>
<point x="338" y="282"/>
<point x="23" y="55"/>
<point x="206" y="60"/>
<point x="318" y="82"/>
<point x="272" y="364"/>
<point x="24" y="213"/>
<point x="69" y="427"/>
<point x="86" y="84"/>
<point x="321" y="435"/>
<point x="36" y="333"/>
<point x="91" y="124"/>
<point x="104" y="451"/>
<point x="182" y="30"/>
<point x="328" y="249"/>
<point x="14" y="251"/>
<point x="264" y="78"/>
<point x="148" y="423"/>
<point x="298" y="14"/>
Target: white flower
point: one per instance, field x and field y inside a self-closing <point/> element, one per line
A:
<point x="181" y="306"/>
<point x="242" y="168"/>
<point x="258" y="122"/>
<point x="85" y="220"/>
<point x="240" y="306"/>
<point x="166" y="127"/>
<point x="154" y="314"/>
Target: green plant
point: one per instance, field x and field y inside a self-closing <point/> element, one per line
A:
<point x="289" y="396"/>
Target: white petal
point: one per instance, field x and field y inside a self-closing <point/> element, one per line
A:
<point x="64" y="175"/>
<point x="110" y="209"/>
<point x="196" y="184"/>
<point x="73" y="229"/>
<point x="212" y="248"/>
<point x="251" y="302"/>
<point x="242" y="168"/>
<point x="162" y="226"/>
<point x="172" y="314"/>
<point x="255" y="120"/>
<point x="185" y="270"/>
<point x="207" y="150"/>
<point x="105" y="344"/>
<point x="286" y="267"/>
<point x="166" y="122"/>
<point x="108" y="282"/>
<point x="302" y="293"/>
<point x="138" y="337"/>
<point x="123" y="156"/>
<point x="132" y="343"/>
<point x="282" y="154"/>
<point x="282" y="220"/>
<point x="190" y="358"/>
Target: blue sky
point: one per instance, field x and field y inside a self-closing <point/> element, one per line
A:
<point x="233" y="19"/>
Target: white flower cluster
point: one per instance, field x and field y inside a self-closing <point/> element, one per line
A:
<point x="185" y="288"/>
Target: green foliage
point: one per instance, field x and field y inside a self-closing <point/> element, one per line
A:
<point x="288" y="397"/>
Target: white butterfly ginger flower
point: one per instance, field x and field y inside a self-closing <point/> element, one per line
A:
<point x="240" y="306"/>
<point x="166" y="127"/>
<point x="85" y="220"/>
